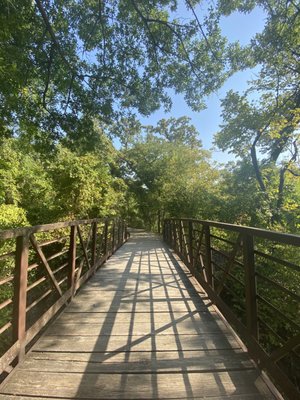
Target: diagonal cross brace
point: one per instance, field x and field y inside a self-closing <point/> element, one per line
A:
<point x="230" y="263"/>
<point x="44" y="261"/>
<point x="84" y="248"/>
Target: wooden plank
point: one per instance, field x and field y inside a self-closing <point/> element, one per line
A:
<point x="146" y="342"/>
<point x="120" y="318"/>
<point x="120" y="357"/>
<point x="147" y="323"/>
<point x="223" y="397"/>
<point x="136" y="386"/>
<point x="188" y="361"/>
<point x="156" y="292"/>
<point x="141" y="306"/>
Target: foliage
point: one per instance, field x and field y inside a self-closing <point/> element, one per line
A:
<point x="63" y="63"/>
<point x="12" y="216"/>
<point x="261" y="126"/>
<point x="69" y="185"/>
<point x="169" y="173"/>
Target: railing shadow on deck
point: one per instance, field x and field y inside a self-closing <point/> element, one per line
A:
<point x="132" y="373"/>
<point x="195" y="243"/>
<point x="41" y="268"/>
<point x="253" y="276"/>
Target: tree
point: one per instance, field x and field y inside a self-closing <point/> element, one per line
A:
<point x="63" y="63"/>
<point x="169" y="173"/>
<point x="265" y="132"/>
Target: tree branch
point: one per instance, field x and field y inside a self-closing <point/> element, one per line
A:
<point x="173" y="30"/>
<point x="256" y="165"/>
<point x="51" y="33"/>
<point x="283" y="171"/>
<point x="55" y="41"/>
<point x="48" y="74"/>
<point x="202" y="31"/>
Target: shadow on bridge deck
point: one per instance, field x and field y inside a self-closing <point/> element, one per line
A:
<point x="139" y="329"/>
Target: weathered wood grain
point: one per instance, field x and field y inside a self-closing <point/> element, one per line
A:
<point x="136" y="386"/>
<point x="148" y="342"/>
<point x="223" y="397"/>
<point x="138" y="329"/>
<point x="121" y="362"/>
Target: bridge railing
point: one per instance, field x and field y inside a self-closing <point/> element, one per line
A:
<point x="41" y="268"/>
<point x="253" y="276"/>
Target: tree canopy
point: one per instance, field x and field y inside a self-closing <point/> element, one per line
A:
<point x="74" y="74"/>
<point x="63" y="63"/>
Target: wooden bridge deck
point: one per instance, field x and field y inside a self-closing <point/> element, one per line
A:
<point x="138" y="329"/>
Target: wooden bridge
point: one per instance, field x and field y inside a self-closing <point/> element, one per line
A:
<point x="142" y="327"/>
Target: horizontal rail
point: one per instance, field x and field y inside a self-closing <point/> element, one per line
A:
<point x="286" y="238"/>
<point x="278" y="260"/>
<point x="84" y="246"/>
<point x="277" y="285"/>
<point x="241" y="250"/>
<point x="229" y="274"/>
<point x="29" y="230"/>
<point x="6" y="280"/>
<point x="5" y="303"/>
<point x="278" y="312"/>
<point x="6" y="255"/>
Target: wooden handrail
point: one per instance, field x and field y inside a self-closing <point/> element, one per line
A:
<point x="219" y="255"/>
<point x="263" y="233"/>
<point x="62" y="265"/>
<point x="13" y="233"/>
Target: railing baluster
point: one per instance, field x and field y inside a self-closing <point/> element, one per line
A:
<point x="190" y="248"/>
<point x="250" y="285"/>
<point x="113" y="228"/>
<point x="180" y="238"/>
<point x="94" y="244"/>
<point x="208" y="263"/>
<point x="72" y="259"/>
<point x="105" y="242"/>
<point x="20" y="293"/>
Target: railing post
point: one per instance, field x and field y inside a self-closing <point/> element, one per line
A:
<point x="72" y="259"/>
<point x="190" y="247"/>
<point x="250" y="285"/>
<point x="119" y="231"/>
<point x="113" y="236"/>
<point x="122" y="231"/>
<point x="174" y="236"/>
<point x="20" y="293"/>
<point x="208" y="261"/>
<point x="164" y="231"/>
<point x="105" y="237"/>
<point x="94" y="244"/>
<point x="158" y="222"/>
<point x="175" y="247"/>
<point x="180" y="237"/>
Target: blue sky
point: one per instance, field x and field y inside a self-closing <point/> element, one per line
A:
<point x="236" y="27"/>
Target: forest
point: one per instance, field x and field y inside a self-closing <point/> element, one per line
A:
<point x="76" y="79"/>
<point x="75" y="76"/>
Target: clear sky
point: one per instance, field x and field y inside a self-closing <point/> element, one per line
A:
<point x="236" y="27"/>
